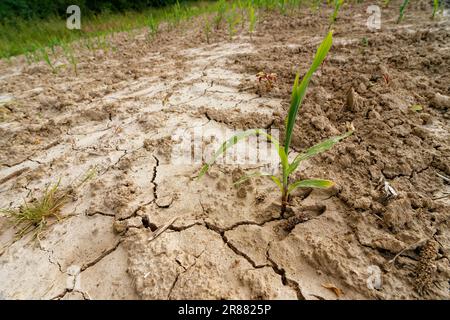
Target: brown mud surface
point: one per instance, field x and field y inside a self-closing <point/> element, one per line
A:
<point x="143" y="228"/>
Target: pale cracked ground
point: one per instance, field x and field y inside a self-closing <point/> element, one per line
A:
<point x="201" y="255"/>
<point x="214" y="241"/>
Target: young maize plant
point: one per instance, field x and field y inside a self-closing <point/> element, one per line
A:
<point x="177" y="14"/>
<point x="252" y="20"/>
<point x="337" y="6"/>
<point x="402" y="10"/>
<point x="222" y="8"/>
<point x="207" y="30"/>
<point x="47" y="60"/>
<point x="282" y="4"/>
<point x="435" y="8"/>
<point x="315" y="5"/>
<point x="71" y="58"/>
<point x="284" y="183"/>
<point x="153" y="27"/>
<point x="233" y="18"/>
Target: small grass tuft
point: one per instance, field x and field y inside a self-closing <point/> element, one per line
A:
<point x="34" y="216"/>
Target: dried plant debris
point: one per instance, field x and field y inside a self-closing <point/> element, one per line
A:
<point x="426" y="268"/>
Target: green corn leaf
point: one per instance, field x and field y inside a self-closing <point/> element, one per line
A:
<point x="281" y="153"/>
<point x="316" y="149"/>
<point x="299" y="90"/>
<point x="277" y="182"/>
<point x="225" y="146"/>
<point x="435" y="8"/>
<point x="238" y="137"/>
<point x="311" y="183"/>
<point x="259" y="174"/>
<point x="249" y="176"/>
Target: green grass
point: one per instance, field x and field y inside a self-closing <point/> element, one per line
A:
<point x="284" y="182"/>
<point x="34" y="215"/>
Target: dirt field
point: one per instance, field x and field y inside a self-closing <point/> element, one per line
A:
<point x="144" y="228"/>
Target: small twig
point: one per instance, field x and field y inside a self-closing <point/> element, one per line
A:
<point x="443" y="177"/>
<point x="414" y="245"/>
<point x="14" y="174"/>
<point x="442" y="197"/>
<point x="160" y="230"/>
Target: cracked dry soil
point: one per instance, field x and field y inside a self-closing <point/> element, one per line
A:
<point x="143" y="228"/>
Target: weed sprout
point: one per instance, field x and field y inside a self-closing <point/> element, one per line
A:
<point x="34" y="215"/>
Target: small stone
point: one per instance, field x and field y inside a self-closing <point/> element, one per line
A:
<point x="440" y="101"/>
<point x="353" y="100"/>
<point x="120" y="226"/>
<point x="164" y="201"/>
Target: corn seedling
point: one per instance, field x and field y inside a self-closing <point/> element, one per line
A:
<point x="153" y="27"/>
<point x="337" y="6"/>
<point x="252" y="20"/>
<point x="221" y="10"/>
<point x="177" y="13"/>
<point x="233" y="18"/>
<point x="284" y="182"/>
<point x="89" y="44"/>
<point x="53" y="43"/>
<point x="35" y="214"/>
<point x="47" y="60"/>
<point x="29" y="57"/>
<point x="71" y="58"/>
<point x="435" y="8"/>
<point x="282" y="4"/>
<point x="207" y="30"/>
<point x="293" y="4"/>
<point x="315" y="5"/>
<point x="402" y="10"/>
